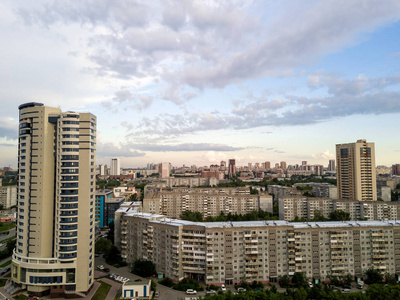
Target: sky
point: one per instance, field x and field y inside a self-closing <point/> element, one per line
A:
<point x="198" y="82"/>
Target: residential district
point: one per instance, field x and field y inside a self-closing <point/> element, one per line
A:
<point x="219" y="227"/>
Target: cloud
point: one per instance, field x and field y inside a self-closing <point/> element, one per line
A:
<point x="361" y="95"/>
<point x="239" y="40"/>
<point x="8" y="128"/>
<point x="325" y="155"/>
<point x="108" y="149"/>
<point x="185" y="147"/>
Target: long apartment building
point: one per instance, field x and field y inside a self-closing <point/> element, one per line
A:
<point x="54" y="252"/>
<point x="291" y="207"/>
<point x="229" y="252"/>
<point x="171" y="202"/>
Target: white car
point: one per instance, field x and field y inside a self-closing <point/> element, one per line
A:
<point x="310" y="284"/>
<point x="100" y="267"/>
<point x="191" y="292"/>
<point x="223" y="288"/>
<point x="240" y="289"/>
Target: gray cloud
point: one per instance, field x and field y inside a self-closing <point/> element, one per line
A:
<point x="347" y="97"/>
<point x="185" y="147"/>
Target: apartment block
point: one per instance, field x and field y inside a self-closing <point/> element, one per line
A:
<point x="172" y="202"/>
<point x="229" y="252"/>
<point x="291" y="207"/>
<point x="56" y="168"/>
<point x="324" y="190"/>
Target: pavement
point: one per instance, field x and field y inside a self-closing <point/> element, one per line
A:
<point x="10" y="234"/>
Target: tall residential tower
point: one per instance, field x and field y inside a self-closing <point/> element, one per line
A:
<point x="356" y="175"/>
<point x="55" y="226"/>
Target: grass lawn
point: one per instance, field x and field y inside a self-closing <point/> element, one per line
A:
<point x="3" y="282"/>
<point x="102" y="291"/>
<point x="5" y="264"/>
<point x="6" y="226"/>
<point x="21" y="297"/>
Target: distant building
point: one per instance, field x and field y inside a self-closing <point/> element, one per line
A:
<point x="209" y="201"/>
<point x="267" y="165"/>
<point x="331" y="166"/>
<point x="165" y="169"/>
<point x="115" y="167"/>
<point x="8" y="196"/>
<point x="232" y="168"/>
<point x="396" y="170"/>
<point x="111" y="205"/>
<point x="356" y="175"/>
<point x="283" y="165"/>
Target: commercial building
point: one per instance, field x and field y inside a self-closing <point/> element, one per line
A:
<point x="55" y="240"/>
<point x="331" y="166"/>
<point x="356" y="175"/>
<point x="8" y="196"/>
<point x="229" y="252"/>
<point x="171" y="202"/>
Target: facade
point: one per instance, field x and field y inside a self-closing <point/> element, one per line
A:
<point x="396" y="170"/>
<point x="115" y="167"/>
<point x="229" y="252"/>
<point x="101" y="197"/>
<point x="56" y="160"/>
<point x="171" y="202"/>
<point x="8" y="196"/>
<point x="291" y="207"/>
<point x="356" y="175"/>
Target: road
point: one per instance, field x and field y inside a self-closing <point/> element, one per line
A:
<point x="165" y="292"/>
<point x="10" y="234"/>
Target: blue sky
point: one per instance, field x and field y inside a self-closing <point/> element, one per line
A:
<point x="197" y="82"/>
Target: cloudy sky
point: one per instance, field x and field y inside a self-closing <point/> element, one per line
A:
<point x="197" y="82"/>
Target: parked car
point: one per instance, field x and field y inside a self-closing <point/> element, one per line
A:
<point x="138" y="280"/>
<point x="211" y="292"/>
<point x="240" y="289"/>
<point x="100" y="267"/>
<point x="223" y="288"/>
<point x="310" y="284"/>
<point x="157" y="294"/>
<point x="360" y="285"/>
<point x="191" y="292"/>
<point x="345" y="290"/>
<point x="106" y="270"/>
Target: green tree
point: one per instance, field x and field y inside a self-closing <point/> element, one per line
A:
<point x="111" y="230"/>
<point x="373" y="276"/>
<point x="194" y="216"/>
<point x="284" y="281"/>
<point x="102" y="246"/>
<point x="299" y="280"/>
<point x="144" y="268"/>
<point x="339" y="215"/>
<point x="153" y="285"/>
<point x="133" y="197"/>
<point x="114" y="257"/>
<point x="348" y="279"/>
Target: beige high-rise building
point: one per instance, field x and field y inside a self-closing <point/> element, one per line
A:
<point x="55" y="241"/>
<point x="356" y="175"/>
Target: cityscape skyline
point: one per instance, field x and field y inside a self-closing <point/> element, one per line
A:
<point x="266" y="82"/>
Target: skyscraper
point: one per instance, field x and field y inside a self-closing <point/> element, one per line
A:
<point x="115" y="168"/>
<point x="54" y="252"/>
<point x="356" y="175"/>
